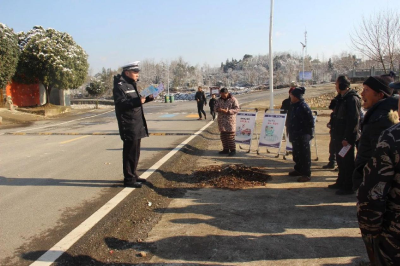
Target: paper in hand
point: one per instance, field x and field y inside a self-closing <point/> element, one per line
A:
<point x="344" y="150"/>
<point x="151" y="90"/>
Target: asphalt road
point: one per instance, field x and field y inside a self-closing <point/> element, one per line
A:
<point x="56" y="173"/>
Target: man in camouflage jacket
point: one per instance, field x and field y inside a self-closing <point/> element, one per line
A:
<point x="378" y="207"/>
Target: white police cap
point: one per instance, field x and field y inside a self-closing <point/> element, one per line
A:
<point x="132" y="66"/>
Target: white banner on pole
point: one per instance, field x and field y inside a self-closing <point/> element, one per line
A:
<point x="272" y="130"/>
<point x="245" y="123"/>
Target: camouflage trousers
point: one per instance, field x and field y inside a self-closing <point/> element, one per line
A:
<point x="383" y="249"/>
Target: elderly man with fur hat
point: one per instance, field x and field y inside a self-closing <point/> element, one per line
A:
<point x="381" y="114"/>
<point x="378" y="206"/>
<point x="301" y="131"/>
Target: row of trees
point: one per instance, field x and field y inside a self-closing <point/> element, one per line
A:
<point x="247" y="71"/>
<point x="377" y="39"/>
<point x="41" y="55"/>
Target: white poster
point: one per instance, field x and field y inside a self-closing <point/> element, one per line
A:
<point x="272" y="130"/>
<point x="245" y="123"/>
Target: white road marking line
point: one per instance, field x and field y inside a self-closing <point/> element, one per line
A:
<point x="53" y="125"/>
<point x="64" y="244"/>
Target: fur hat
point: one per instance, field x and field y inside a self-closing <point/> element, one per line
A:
<point x="298" y="92"/>
<point x="293" y="84"/>
<point x="380" y="84"/>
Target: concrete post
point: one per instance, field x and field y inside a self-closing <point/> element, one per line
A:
<point x="10" y="104"/>
<point x="42" y="94"/>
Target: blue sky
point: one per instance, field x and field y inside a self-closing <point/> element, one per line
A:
<point x="114" y="33"/>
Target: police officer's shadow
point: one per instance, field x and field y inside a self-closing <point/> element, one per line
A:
<point x="31" y="181"/>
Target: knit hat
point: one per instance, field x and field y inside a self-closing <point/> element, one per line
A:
<point x="298" y="92"/>
<point x="380" y="84"/>
<point x="291" y="89"/>
<point x="223" y="90"/>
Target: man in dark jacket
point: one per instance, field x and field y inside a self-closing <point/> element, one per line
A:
<point x="380" y="115"/>
<point x="344" y="133"/>
<point x="301" y="131"/>
<point x="211" y="104"/>
<point x="201" y="100"/>
<point x="131" y="122"/>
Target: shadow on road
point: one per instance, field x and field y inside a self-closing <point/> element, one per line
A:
<point x="10" y="181"/>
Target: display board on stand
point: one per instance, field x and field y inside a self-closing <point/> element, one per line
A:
<point x="245" y="127"/>
<point x="272" y="131"/>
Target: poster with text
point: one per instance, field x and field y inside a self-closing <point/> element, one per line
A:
<point x="245" y="123"/>
<point x="272" y="130"/>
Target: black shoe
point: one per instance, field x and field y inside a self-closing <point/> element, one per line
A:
<point x="205" y="117"/>
<point x="303" y="178"/>
<point x="294" y="173"/>
<point x="232" y="152"/>
<point x="133" y="184"/>
<point x="141" y="180"/>
<point x="335" y="186"/>
<point x="329" y="166"/>
<point x="344" y="192"/>
<point x="224" y="152"/>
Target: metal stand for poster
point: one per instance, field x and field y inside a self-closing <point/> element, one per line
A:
<point x="280" y="143"/>
<point x="255" y="126"/>
<point x="315" y="135"/>
<point x="287" y="152"/>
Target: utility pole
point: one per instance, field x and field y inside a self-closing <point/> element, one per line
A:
<point x="302" y="74"/>
<point x="271" y="60"/>
<point x="305" y="41"/>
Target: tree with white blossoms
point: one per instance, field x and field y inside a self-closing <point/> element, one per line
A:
<point x="96" y="87"/>
<point x="9" y="53"/>
<point x="52" y="58"/>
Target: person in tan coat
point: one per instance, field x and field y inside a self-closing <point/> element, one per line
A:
<point x="227" y="107"/>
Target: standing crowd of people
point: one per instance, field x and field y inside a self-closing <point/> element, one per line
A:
<point x="365" y="146"/>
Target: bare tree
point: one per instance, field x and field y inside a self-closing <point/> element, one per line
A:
<point x="378" y="37"/>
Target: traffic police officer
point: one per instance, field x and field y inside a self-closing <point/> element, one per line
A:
<point x="131" y="121"/>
